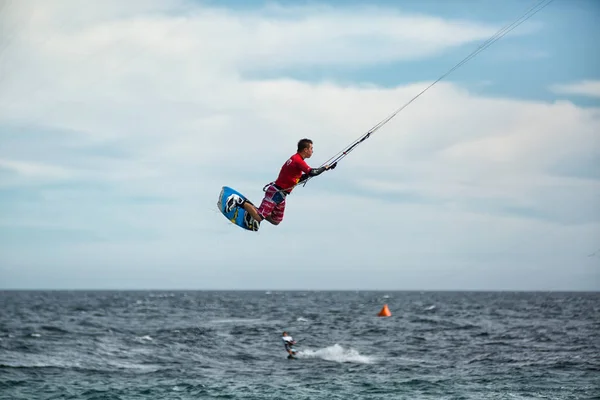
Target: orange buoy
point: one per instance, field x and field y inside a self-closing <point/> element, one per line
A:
<point x="385" y="312"/>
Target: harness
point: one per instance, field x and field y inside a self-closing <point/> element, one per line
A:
<point x="280" y="191"/>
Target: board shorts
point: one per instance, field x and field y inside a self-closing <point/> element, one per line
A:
<point x="273" y="204"/>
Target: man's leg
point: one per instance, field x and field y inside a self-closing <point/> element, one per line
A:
<point x="272" y="205"/>
<point x="271" y="220"/>
<point x="278" y="211"/>
<point x="272" y="200"/>
<point x="265" y="209"/>
<point x="234" y="201"/>
<point x="250" y="209"/>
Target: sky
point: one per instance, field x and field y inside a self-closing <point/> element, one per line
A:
<point x="121" y="121"/>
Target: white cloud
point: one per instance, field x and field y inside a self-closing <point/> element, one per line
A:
<point x="36" y="170"/>
<point x="172" y="83"/>
<point x="589" y="88"/>
<point x="170" y="90"/>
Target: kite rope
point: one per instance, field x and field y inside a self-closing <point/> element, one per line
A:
<point x="498" y="35"/>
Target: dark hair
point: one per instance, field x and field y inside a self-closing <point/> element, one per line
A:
<point x="303" y="144"/>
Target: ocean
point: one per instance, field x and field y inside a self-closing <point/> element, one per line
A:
<point x="227" y="345"/>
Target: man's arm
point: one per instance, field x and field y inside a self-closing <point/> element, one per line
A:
<point x="316" y="171"/>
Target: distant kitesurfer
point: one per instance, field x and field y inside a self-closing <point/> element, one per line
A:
<point x="288" y="342"/>
<point x="294" y="171"/>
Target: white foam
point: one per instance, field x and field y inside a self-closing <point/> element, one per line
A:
<point x="237" y="321"/>
<point x="338" y="354"/>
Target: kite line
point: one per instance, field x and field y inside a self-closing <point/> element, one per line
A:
<point x="497" y="36"/>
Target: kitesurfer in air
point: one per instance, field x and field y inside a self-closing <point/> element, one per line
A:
<point x="288" y="342"/>
<point x="294" y="171"/>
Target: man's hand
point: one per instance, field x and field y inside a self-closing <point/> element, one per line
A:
<point x="332" y="166"/>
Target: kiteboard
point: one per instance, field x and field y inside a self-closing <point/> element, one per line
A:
<point x="238" y="214"/>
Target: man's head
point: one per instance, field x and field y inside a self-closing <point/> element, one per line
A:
<point x="305" y="148"/>
<point x="284" y="334"/>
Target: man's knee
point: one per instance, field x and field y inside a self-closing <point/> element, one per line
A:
<point x="273" y="221"/>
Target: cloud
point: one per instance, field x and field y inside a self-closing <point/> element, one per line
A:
<point x="164" y="83"/>
<point x="117" y="148"/>
<point x="589" y="88"/>
<point x="35" y="170"/>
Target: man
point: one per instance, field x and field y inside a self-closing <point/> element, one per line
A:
<point x="294" y="171"/>
<point x="288" y="342"/>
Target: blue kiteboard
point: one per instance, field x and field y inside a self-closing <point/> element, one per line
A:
<point x="237" y="215"/>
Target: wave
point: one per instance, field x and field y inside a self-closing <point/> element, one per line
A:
<point x="337" y="353"/>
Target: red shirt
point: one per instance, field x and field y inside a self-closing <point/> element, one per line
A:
<point x="291" y="172"/>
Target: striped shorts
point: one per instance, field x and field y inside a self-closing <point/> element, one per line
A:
<point x="273" y="204"/>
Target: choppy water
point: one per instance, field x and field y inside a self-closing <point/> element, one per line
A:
<point x="203" y="345"/>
